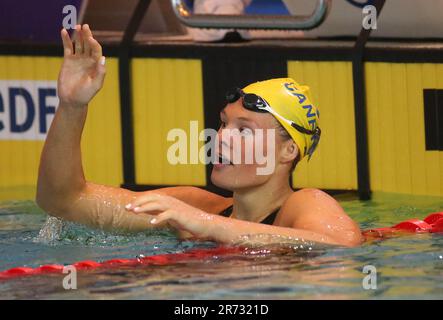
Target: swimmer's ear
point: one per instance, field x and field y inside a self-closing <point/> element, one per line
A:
<point x="289" y="151"/>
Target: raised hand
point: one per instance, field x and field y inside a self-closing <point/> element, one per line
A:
<point x="83" y="69"/>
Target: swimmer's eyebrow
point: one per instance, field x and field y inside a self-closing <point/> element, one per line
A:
<point x="223" y="113"/>
<point x="249" y="121"/>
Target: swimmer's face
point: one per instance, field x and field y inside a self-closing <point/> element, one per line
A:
<point x="243" y="135"/>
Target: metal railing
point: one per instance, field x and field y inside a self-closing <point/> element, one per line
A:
<point x="274" y="22"/>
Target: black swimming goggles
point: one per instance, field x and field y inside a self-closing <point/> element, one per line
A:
<point x="255" y="103"/>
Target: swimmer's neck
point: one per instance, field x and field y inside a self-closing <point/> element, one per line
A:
<point x="254" y="204"/>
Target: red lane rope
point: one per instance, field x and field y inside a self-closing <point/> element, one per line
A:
<point x="431" y="224"/>
<point x="163" y="259"/>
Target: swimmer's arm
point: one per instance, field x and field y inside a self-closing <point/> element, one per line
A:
<point x="233" y="232"/>
<point x="202" y="224"/>
<point x="62" y="190"/>
<point x="61" y="178"/>
<point x="104" y="207"/>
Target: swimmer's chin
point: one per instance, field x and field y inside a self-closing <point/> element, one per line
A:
<point x="221" y="182"/>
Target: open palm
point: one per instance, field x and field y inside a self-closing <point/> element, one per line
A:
<point x="83" y="70"/>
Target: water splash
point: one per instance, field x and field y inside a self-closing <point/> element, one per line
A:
<point x="50" y="231"/>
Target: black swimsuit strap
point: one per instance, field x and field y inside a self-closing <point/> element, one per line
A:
<point x="268" y="220"/>
<point x="227" y="212"/>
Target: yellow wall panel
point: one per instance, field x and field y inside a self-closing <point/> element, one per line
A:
<point x="167" y="94"/>
<point x="101" y="145"/>
<point x="398" y="160"/>
<point x="333" y="164"/>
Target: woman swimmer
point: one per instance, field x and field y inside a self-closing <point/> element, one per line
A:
<point x="261" y="204"/>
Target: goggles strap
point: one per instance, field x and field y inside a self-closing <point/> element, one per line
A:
<point x="236" y="93"/>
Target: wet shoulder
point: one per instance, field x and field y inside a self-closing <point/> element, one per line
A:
<point x="312" y="203"/>
<point x="315" y="210"/>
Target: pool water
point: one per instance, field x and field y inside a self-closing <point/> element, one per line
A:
<point x="408" y="267"/>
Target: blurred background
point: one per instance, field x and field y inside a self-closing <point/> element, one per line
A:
<point x="26" y="21"/>
<point x="380" y="92"/>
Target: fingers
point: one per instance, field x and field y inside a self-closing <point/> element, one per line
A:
<point x="96" y="48"/>
<point x="153" y="197"/>
<point x="67" y="43"/>
<point x="86" y="34"/>
<point x="91" y="46"/>
<point x="84" y="43"/>
<point x="149" y="207"/>
<point x="165" y="216"/>
<point x="101" y="72"/>
<point x="78" y="43"/>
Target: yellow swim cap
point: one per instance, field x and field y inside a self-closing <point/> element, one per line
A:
<point x="292" y="102"/>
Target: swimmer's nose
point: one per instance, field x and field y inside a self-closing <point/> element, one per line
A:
<point x="224" y="137"/>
